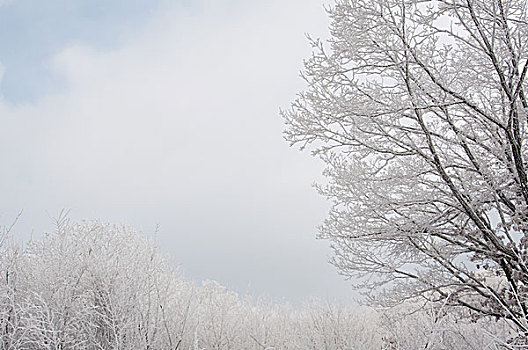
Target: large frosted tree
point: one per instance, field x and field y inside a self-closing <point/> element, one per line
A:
<point x="419" y="110"/>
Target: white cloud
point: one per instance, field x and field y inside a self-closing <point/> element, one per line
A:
<point x="180" y="126"/>
<point x="2" y="72"/>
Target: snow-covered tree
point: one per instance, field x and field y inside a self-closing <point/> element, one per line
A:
<point x="419" y="109"/>
<point x="92" y="285"/>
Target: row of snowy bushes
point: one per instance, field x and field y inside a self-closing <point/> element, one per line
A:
<point x="93" y="285"/>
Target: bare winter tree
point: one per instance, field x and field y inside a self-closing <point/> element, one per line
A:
<point x="419" y="109"/>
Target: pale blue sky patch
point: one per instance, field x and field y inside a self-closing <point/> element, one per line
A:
<point x="32" y="32"/>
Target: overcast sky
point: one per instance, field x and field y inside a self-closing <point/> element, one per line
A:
<point x="166" y="112"/>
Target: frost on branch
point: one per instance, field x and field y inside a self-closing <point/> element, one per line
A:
<point x="419" y="109"/>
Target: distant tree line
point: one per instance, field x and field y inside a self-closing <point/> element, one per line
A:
<point x="93" y="285"/>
